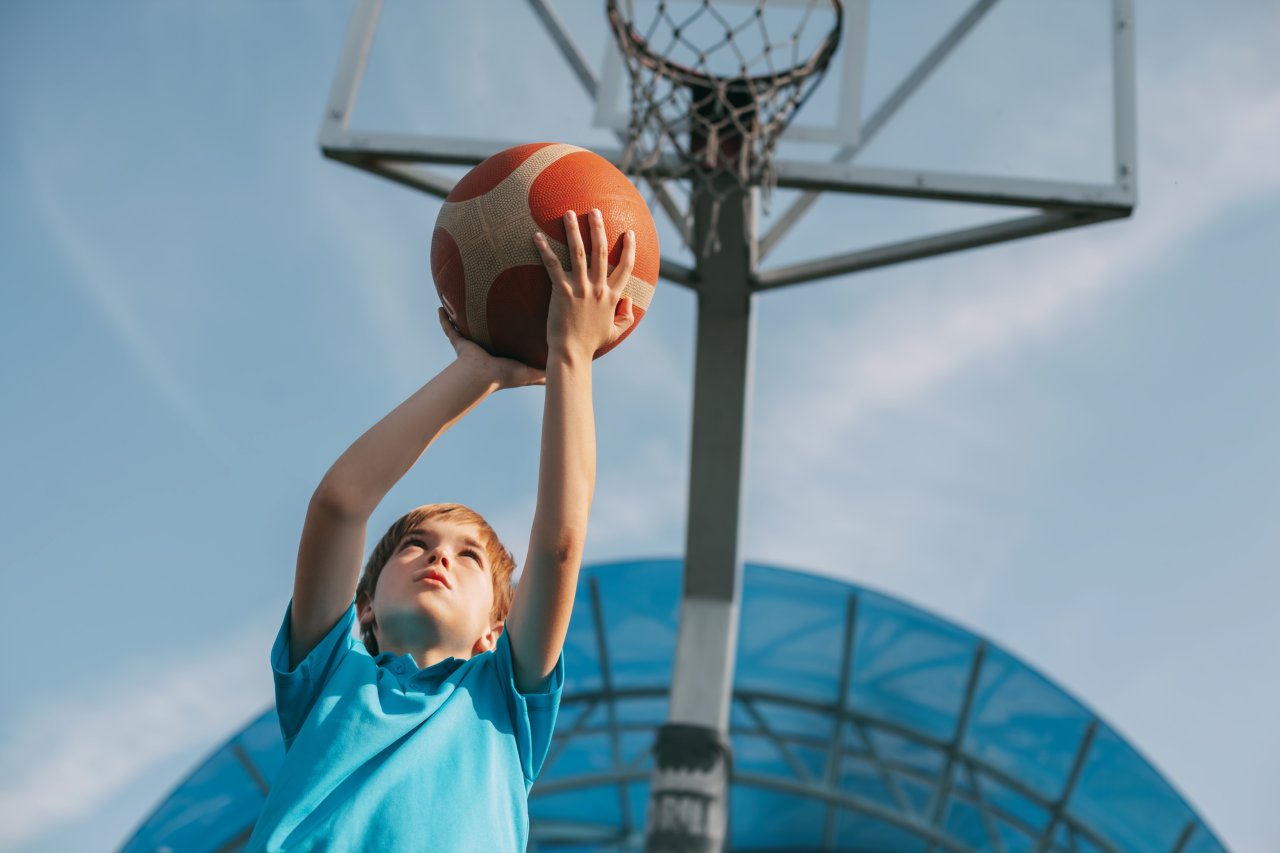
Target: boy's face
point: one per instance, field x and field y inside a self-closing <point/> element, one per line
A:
<point x="436" y="588"/>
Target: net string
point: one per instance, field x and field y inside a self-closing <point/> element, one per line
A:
<point x="689" y="122"/>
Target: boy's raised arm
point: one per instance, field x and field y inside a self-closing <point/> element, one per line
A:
<point x="587" y="311"/>
<point x="332" y="545"/>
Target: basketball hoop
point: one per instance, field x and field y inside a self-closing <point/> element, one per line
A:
<point x="708" y="100"/>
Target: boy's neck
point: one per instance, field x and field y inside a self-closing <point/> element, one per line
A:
<point x="427" y="657"/>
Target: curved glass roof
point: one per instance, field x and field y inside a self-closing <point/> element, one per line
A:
<point x="859" y="723"/>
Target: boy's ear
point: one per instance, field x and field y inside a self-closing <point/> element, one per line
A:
<point x="489" y="641"/>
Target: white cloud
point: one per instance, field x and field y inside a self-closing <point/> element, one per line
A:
<point x="909" y="347"/>
<point x="65" y="758"/>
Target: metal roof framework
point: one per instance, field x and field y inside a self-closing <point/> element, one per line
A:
<point x="859" y="723"/>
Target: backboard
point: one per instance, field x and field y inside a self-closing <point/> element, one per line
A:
<point x="930" y="104"/>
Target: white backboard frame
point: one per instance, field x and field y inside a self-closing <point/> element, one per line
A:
<point x="1058" y="204"/>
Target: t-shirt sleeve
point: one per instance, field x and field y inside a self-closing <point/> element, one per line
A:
<point x="533" y="715"/>
<point x="298" y="689"/>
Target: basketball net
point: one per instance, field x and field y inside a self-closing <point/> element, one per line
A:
<point x="711" y="94"/>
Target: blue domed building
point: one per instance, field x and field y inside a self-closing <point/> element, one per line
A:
<point x="859" y="723"/>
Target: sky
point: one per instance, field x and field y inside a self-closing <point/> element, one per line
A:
<point x="1066" y="444"/>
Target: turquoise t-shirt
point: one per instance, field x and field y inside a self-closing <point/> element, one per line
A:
<point x="381" y="755"/>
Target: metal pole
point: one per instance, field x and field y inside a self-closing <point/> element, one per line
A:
<point x="688" y="800"/>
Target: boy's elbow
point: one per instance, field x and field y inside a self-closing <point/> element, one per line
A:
<point x="564" y="549"/>
<point x="332" y="500"/>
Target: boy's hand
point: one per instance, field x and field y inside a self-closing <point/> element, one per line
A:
<point x="588" y="310"/>
<point x="507" y="372"/>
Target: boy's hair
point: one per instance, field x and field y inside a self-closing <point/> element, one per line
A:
<point x="501" y="564"/>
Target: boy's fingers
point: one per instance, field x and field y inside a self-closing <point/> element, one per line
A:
<point x="549" y="259"/>
<point x="622" y="273"/>
<point x="624" y="316"/>
<point x="450" y="331"/>
<point x="599" y="242"/>
<point x="573" y="237"/>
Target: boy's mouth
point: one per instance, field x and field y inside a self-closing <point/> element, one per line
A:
<point x="433" y="576"/>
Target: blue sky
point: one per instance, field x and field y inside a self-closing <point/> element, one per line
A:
<point x="1067" y="444"/>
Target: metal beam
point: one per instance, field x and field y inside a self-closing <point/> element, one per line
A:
<point x="923" y="247"/>
<point x="1184" y="837"/>
<point x="796" y="765"/>
<point x="984" y="810"/>
<point x="572" y="54"/>
<point x="1124" y="98"/>
<point x="942" y="794"/>
<point x="887" y="109"/>
<point x="707" y="640"/>
<point x="835" y="756"/>
<point x="351" y="64"/>
<point x="882" y="769"/>
<point x="611" y="704"/>
<point x="561" y="741"/>
<point x="951" y="186"/>
<point x="250" y="768"/>
<point x="413" y="148"/>
<point x="1060" y="805"/>
<point x="677" y="273"/>
<point x="791" y="174"/>
<point x="414" y="177"/>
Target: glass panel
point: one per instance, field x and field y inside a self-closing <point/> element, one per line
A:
<point x="791" y="635"/>
<point x="772" y="819"/>
<point x="214" y="805"/>
<point x="638" y="794"/>
<point x="585" y="754"/>
<point x="1203" y="841"/>
<point x="964" y="824"/>
<point x="596" y="806"/>
<point x="581" y="648"/>
<point x="919" y="794"/>
<point x="859" y="833"/>
<point x="262" y="740"/>
<point x="1122" y="798"/>
<point x="894" y="750"/>
<point x="757" y="754"/>
<point x="813" y="759"/>
<point x="636" y="744"/>
<point x="1024" y="726"/>
<point x="792" y="720"/>
<point x="649" y="711"/>
<point x="909" y="667"/>
<point x="859" y="778"/>
<point x="1017" y="839"/>
<point x="1027" y="814"/>
<point x="641" y="602"/>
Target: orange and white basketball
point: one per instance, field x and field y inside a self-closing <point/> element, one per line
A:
<point x="487" y="270"/>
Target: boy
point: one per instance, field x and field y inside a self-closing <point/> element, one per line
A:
<point x="428" y="736"/>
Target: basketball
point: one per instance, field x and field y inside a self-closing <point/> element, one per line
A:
<point x="487" y="270"/>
